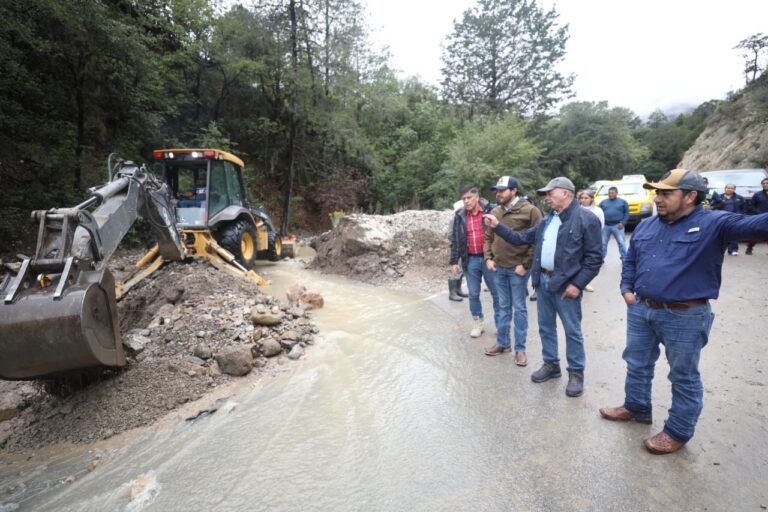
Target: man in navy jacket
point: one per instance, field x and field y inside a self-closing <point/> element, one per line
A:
<point x="567" y="256"/>
<point x="758" y="204"/>
<point x="671" y="272"/>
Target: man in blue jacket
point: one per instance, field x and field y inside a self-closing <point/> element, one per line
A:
<point x="734" y="203"/>
<point x="758" y="204"/>
<point x="616" y="211"/>
<point x="567" y="256"/>
<point x="672" y="271"/>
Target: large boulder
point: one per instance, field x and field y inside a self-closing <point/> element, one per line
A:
<point x="294" y="292"/>
<point x="236" y="361"/>
<point x="312" y="299"/>
<point x="270" y="347"/>
<point x="260" y="317"/>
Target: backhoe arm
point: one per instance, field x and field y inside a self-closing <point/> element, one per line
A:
<point x="59" y="312"/>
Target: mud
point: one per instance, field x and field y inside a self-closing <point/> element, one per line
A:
<point x="174" y="324"/>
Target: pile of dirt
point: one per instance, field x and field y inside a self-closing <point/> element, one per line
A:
<point x="187" y="329"/>
<point x="407" y="250"/>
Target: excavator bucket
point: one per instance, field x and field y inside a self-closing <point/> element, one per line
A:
<point x="44" y="333"/>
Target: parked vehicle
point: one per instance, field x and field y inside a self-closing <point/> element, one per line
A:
<point x="640" y="200"/>
<point x="596" y="185"/>
<point x="634" y="177"/>
<point x="747" y="181"/>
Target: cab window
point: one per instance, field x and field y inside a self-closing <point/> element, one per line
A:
<point x="233" y="185"/>
<point x="220" y="197"/>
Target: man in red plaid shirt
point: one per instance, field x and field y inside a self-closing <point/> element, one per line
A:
<point x="467" y="239"/>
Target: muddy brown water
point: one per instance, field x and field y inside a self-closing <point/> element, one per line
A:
<point x="397" y="409"/>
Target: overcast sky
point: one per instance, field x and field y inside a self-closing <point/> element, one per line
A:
<point x="642" y="55"/>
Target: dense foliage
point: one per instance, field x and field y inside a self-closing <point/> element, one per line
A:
<point x="295" y="89"/>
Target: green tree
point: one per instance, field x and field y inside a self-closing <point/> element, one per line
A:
<point x="588" y="141"/>
<point x="484" y="150"/>
<point x="503" y="57"/>
<point x="755" y="46"/>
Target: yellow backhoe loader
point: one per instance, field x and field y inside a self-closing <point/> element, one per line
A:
<point x="58" y="314"/>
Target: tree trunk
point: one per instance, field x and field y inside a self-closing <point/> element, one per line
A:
<point x="292" y="120"/>
<point x="310" y="65"/>
<point x="327" y="55"/>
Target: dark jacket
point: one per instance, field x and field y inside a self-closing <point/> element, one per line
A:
<point x="736" y="204"/>
<point x="760" y="202"/>
<point x="579" y="252"/>
<point x="459" y="248"/>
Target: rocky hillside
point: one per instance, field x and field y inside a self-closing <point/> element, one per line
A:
<point x="736" y="136"/>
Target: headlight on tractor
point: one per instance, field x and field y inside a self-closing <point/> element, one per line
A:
<point x="646" y="208"/>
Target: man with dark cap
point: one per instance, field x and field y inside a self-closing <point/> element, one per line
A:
<point x="567" y="255"/>
<point x="671" y="272"/>
<point x="511" y="263"/>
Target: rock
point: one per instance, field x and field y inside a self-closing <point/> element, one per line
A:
<point x="266" y="318"/>
<point x="10" y="405"/>
<point x="203" y="351"/>
<point x="270" y="347"/>
<point x="294" y="292"/>
<point x="214" y="370"/>
<point x="235" y="361"/>
<point x="290" y="335"/>
<point x="296" y="352"/>
<point x="136" y="342"/>
<point x="173" y="296"/>
<point x="288" y="344"/>
<point x="313" y="299"/>
<point x="166" y="310"/>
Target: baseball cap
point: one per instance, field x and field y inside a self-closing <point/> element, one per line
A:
<point x="504" y="183"/>
<point x="559" y="182"/>
<point x="679" y="179"/>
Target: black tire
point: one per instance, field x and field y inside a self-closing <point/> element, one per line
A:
<point x="239" y="238"/>
<point x="275" y="248"/>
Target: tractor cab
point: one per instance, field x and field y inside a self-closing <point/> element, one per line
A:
<point x="204" y="183"/>
<point x="208" y="194"/>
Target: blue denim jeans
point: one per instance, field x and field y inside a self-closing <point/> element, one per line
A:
<point x="618" y="234"/>
<point x="512" y="290"/>
<point x="549" y="306"/>
<point x="476" y="271"/>
<point x="683" y="333"/>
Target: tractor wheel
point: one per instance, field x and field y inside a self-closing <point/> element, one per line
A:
<point x="275" y="249"/>
<point x="239" y="238"/>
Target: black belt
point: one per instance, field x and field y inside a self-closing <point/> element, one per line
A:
<point x="480" y="254"/>
<point x="546" y="272"/>
<point x="682" y="304"/>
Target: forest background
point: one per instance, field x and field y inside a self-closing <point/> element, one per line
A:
<point x="296" y="90"/>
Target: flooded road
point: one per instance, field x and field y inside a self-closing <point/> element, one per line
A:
<point x="398" y="409"/>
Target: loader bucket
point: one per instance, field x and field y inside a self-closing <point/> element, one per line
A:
<point x="42" y="336"/>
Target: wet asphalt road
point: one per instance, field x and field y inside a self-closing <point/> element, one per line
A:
<point x="398" y="409"/>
